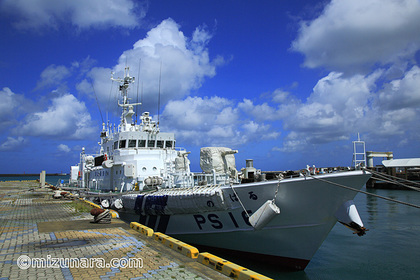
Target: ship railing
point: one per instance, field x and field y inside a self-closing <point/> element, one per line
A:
<point x="202" y="179"/>
<point x="180" y="149"/>
<point x="183" y="180"/>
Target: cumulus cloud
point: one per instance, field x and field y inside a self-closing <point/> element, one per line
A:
<point x="373" y="87"/>
<point x="280" y="96"/>
<point x="182" y="63"/>
<point x="83" y="66"/>
<point x="12" y="105"/>
<point x="214" y="121"/>
<point x="332" y="112"/>
<point x="196" y="112"/>
<point x="347" y="95"/>
<point x="402" y="93"/>
<point x="292" y="143"/>
<point x="9" y="102"/>
<point x="351" y="35"/>
<point x="259" y="112"/>
<point x="396" y="106"/>
<point x="341" y="106"/>
<point x="66" y="118"/>
<point x="197" y="121"/>
<point x="12" y="143"/>
<point x="38" y="14"/>
<point x="255" y="131"/>
<point x="53" y="75"/>
<point x="63" y="148"/>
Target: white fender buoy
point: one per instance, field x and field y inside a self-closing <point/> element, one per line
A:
<point x="264" y="214"/>
<point x="105" y="203"/>
<point x="118" y="204"/>
<point x="57" y="194"/>
<point x="107" y="163"/>
<point x="348" y="215"/>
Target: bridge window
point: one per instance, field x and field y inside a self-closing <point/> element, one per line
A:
<point x="142" y="143"/>
<point x="115" y="145"/>
<point x="159" y="143"/>
<point x="151" y="143"/>
<point x="132" y="143"/>
<point x="122" y="143"/>
<point x="168" y="144"/>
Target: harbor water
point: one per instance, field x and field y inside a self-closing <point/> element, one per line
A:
<point x="50" y="179"/>
<point x="389" y="250"/>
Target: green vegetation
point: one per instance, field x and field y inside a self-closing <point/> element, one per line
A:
<point x="80" y="206"/>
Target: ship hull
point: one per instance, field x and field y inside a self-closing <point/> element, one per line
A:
<point x="307" y="214"/>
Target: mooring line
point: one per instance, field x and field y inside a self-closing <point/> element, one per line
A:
<point x="239" y="199"/>
<point x="385" y="179"/>
<point x="390" y="179"/>
<point x="367" y="193"/>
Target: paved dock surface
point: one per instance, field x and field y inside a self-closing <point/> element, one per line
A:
<point x="45" y="238"/>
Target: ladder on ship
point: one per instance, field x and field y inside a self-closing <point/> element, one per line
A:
<point x="359" y="152"/>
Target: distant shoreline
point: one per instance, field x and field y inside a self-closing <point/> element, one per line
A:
<point x="31" y="175"/>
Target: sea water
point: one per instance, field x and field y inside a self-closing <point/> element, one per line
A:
<point x="50" y="179"/>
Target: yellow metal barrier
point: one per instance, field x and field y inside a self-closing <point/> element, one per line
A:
<point x="142" y="229"/>
<point x="228" y="268"/>
<point x="179" y="246"/>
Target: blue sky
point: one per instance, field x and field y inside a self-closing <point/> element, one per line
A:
<point x="287" y="83"/>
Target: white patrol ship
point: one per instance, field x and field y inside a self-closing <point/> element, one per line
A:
<point x="282" y="221"/>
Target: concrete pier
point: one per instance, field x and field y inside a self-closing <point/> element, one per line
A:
<point x="38" y="232"/>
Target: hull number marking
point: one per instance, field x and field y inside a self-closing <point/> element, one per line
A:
<point x="216" y="223"/>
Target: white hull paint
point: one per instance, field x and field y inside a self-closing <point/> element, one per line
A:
<point x="308" y="208"/>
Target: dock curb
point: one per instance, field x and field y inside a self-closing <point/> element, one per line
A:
<point x="177" y="245"/>
<point x="142" y="229"/>
<point x="218" y="264"/>
<point x="228" y="268"/>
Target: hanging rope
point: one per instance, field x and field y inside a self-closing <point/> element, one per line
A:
<point x="280" y="177"/>
<point x="392" y="179"/>
<point x="97" y="102"/>
<point x="239" y="199"/>
<point x="367" y="193"/>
